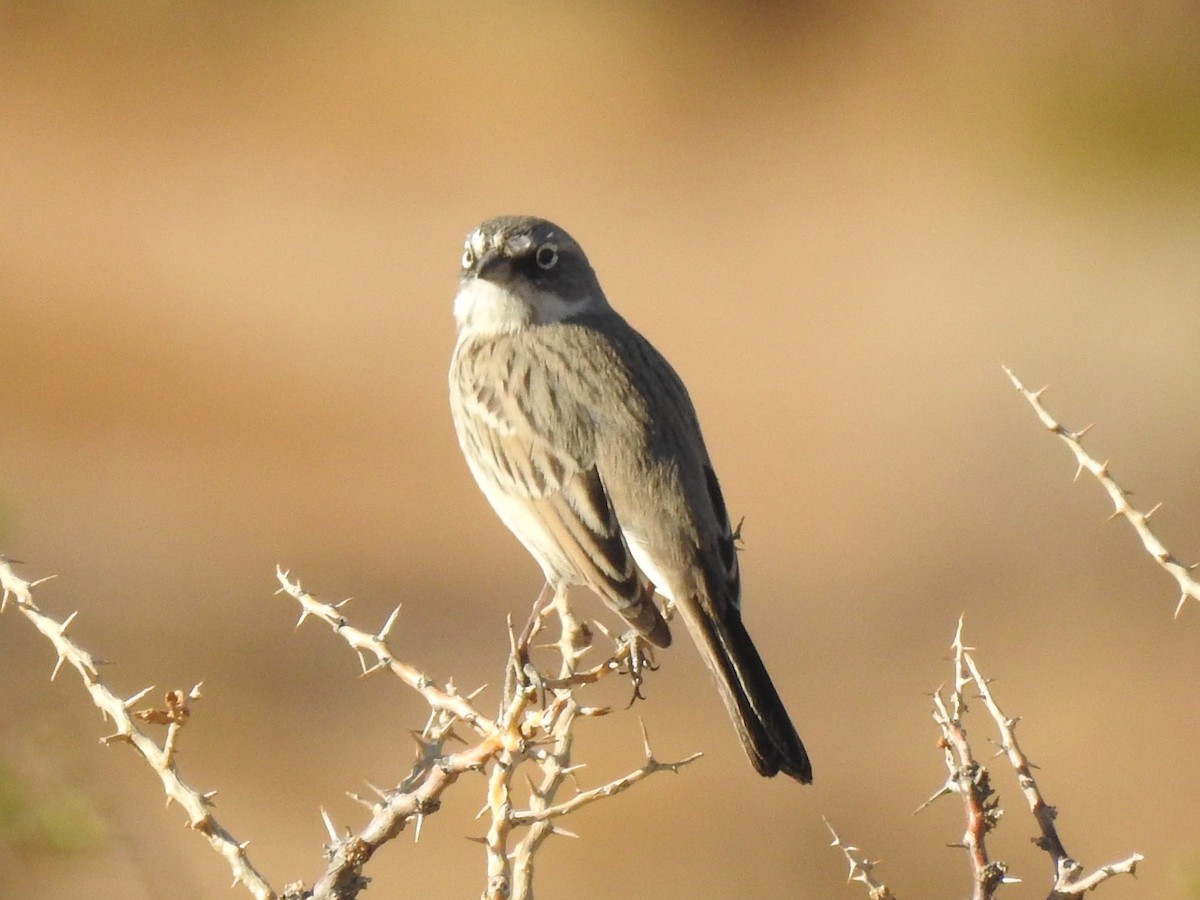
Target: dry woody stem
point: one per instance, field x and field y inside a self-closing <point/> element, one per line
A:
<point x="1189" y="588"/>
<point x="861" y="868"/>
<point x="127" y="730"/>
<point x="533" y="730"/>
<point x="971" y="781"/>
<point x="527" y="754"/>
<point x="534" y="727"/>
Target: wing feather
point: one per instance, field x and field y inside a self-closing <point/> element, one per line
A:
<point x="535" y="445"/>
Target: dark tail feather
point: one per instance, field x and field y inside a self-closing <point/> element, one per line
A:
<point x="762" y="722"/>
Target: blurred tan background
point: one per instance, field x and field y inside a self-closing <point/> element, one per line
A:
<point x="229" y="238"/>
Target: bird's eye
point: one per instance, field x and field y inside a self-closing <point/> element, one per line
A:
<point x="546" y="256"/>
<point x="468" y="257"/>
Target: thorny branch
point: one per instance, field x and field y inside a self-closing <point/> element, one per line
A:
<point x="559" y="717"/>
<point x="1069" y="878"/>
<point x="1188" y="586"/>
<point x="860" y="868"/>
<point x="535" y="725"/>
<point x="561" y="714"/>
<point x="970" y="780"/>
<point x="375" y="645"/>
<point x="160" y="759"/>
<point x="526" y="731"/>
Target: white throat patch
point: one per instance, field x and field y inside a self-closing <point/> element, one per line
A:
<point x="485" y="308"/>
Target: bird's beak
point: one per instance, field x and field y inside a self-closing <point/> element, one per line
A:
<point x="493" y="266"/>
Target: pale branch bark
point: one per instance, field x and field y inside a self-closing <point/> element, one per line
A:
<point x="375" y="645"/>
<point x="512" y="721"/>
<point x="563" y="711"/>
<point x="1188" y="586"/>
<point x="527" y="730"/>
<point x="861" y="868"/>
<point x="535" y="725"/>
<point x="161" y="759"/>
<point x="543" y="814"/>
<point x="1069" y="878"/>
<point x="971" y="781"/>
<point x="417" y="796"/>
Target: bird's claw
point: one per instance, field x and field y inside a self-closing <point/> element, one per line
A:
<point x="640" y="658"/>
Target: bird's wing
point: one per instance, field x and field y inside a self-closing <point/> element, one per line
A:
<point x="536" y="443"/>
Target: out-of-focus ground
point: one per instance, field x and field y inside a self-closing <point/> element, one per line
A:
<point x="229" y="238"/>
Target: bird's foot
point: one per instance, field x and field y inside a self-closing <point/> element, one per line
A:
<point x="639" y="655"/>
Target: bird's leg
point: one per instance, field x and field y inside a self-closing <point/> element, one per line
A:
<point x="541" y="607"/>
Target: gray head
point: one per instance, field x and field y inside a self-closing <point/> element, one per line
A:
<point x="519" y="271"/>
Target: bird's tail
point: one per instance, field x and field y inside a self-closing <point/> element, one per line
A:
<point x="762" y="722"/>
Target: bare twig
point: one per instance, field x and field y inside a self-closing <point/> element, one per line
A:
<point x="574" y="640"/>
<point x="526" y="729"/>
<point x="559" y="718"/>
<point x="511" y="722"/>
<point x="419" y="795"/>
<point x="1188" y="586"/>
<point x="604" y="791"/>
<point x="530" y="726"/>
<point x="1069" y="880"/>
<point x="971" y="781"/>
<point x="160" y="759"/>
<point x="376" y="645"/>
<point x="860" y="868"/>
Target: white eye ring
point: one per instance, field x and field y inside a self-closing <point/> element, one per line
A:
<point x="546" y="256"/>
<point x="468" y="257"/>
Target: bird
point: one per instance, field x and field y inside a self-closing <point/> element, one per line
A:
<point x="584" y="440"/>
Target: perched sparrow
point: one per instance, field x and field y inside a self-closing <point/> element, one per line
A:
<point x="585" y="442"/>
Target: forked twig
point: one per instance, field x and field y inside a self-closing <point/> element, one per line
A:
<point x="971" y="781"/>
<point x="524" y="731"/>
<point x="160" y="758"/>
<point x="1069" y="878"/>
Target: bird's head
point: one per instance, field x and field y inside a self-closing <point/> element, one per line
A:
<point x="519" y="271"/>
